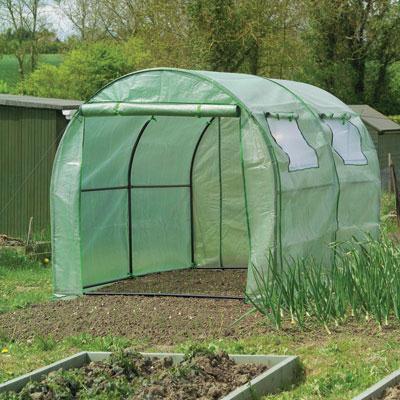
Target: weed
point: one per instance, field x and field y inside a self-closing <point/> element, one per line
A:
<point x="85" y="341"/>
<point x="197" y="349"/>
<point x="45" y="343"/>
<point x="14" y="259"/>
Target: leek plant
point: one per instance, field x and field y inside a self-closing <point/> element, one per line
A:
<point x="364" y="282"/>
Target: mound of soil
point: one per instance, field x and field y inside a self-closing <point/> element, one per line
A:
<point x="228" y="282"/>
<point x="202" y="375"/>
<point x="392" y="393"/>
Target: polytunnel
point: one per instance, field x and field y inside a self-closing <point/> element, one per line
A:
<point x="169" y="169"/>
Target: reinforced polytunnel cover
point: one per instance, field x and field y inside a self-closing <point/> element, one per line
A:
<point x="168" y="169"/>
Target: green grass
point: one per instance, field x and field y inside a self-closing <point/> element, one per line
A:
<point x="388" y="213"/>
<point x="22" y="282"/>
<point x="9" y="67"/>
<point x="336" y="367"/>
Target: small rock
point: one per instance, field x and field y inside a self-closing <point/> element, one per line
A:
<point x="36" y="396"/>
<point x="214" y="392"/>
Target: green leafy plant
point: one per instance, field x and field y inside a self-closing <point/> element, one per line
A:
<point x="364" y="282"/>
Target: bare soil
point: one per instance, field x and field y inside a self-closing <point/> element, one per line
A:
<point x="153" y="320"/>
<point x="392" y="393"/>
<point x="216" y="282"/>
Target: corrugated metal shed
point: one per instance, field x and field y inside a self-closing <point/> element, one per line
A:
<point x="38" y="102"/>
<point x="373" y="118"/>
<point x="30" y="130"/>
<point x="385" y="134"/>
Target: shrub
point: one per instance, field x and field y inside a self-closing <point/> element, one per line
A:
<point x="86" y="70"/>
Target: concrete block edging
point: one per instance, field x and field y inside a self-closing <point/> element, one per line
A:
<point x="377" y="390"/>
<point x="282" y="372"/>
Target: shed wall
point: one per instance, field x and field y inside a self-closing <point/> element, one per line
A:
<point x="385" y="144"/>
<point x="28" y="142"/>
<point x="388" y="143"/>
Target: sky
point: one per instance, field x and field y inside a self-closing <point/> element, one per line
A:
<point x="58" y="21"/>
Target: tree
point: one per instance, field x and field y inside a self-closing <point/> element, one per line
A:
<point x="23" y="22"/>
<point x="214" y="27"/>
<point x="347" y="37"/>
<point x="384" y="51"/>
<point x="84" y="16"/>
<point x="249" y="36"/>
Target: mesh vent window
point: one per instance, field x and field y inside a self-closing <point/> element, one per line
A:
<point x="346" y="141"/>
<point x="288" y="136"/>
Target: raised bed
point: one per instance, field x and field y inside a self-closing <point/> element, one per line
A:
<point x="281" y="372"/>
<point x="377" y="391"/>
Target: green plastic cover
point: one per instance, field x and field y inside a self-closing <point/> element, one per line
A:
<point x="160" y="171"/>
<point x="191" y="110"/>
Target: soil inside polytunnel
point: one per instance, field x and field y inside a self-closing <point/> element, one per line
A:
<point x="213" y="282"/>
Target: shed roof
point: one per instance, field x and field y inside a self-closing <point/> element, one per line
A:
<point x="38" y="102"/>
<point x="377" y="120"/>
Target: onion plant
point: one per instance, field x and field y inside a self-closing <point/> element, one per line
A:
<point x="364" y="282"/>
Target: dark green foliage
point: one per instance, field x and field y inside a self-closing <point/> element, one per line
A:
<point x="215" y="26"/>
<point x="354" y="46"/>
<point x="350" y="48"/>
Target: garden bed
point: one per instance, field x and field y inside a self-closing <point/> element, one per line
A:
<point x="213" y="282"/>
<point x="199" y="374"/>
<point x="386" y="389"/>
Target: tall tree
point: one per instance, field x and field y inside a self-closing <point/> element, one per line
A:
<point x="214" y="27"/>
<point x="23" y="20"/>
<point x="84" y="16"/>
<point x="345" y="37"/>
<point x="385" y="49"/>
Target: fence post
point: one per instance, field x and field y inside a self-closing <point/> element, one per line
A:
<point x="395" y="186"/>
<point x="390" y="187"/>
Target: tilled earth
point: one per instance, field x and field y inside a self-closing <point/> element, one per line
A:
<point x="158" y="321"/>
<point x="228" y="282"/>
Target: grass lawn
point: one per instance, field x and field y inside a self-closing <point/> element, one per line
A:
<point x="9" y="66"/>
<point x="22" y="282"/>
<point x="337" y="366"/>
